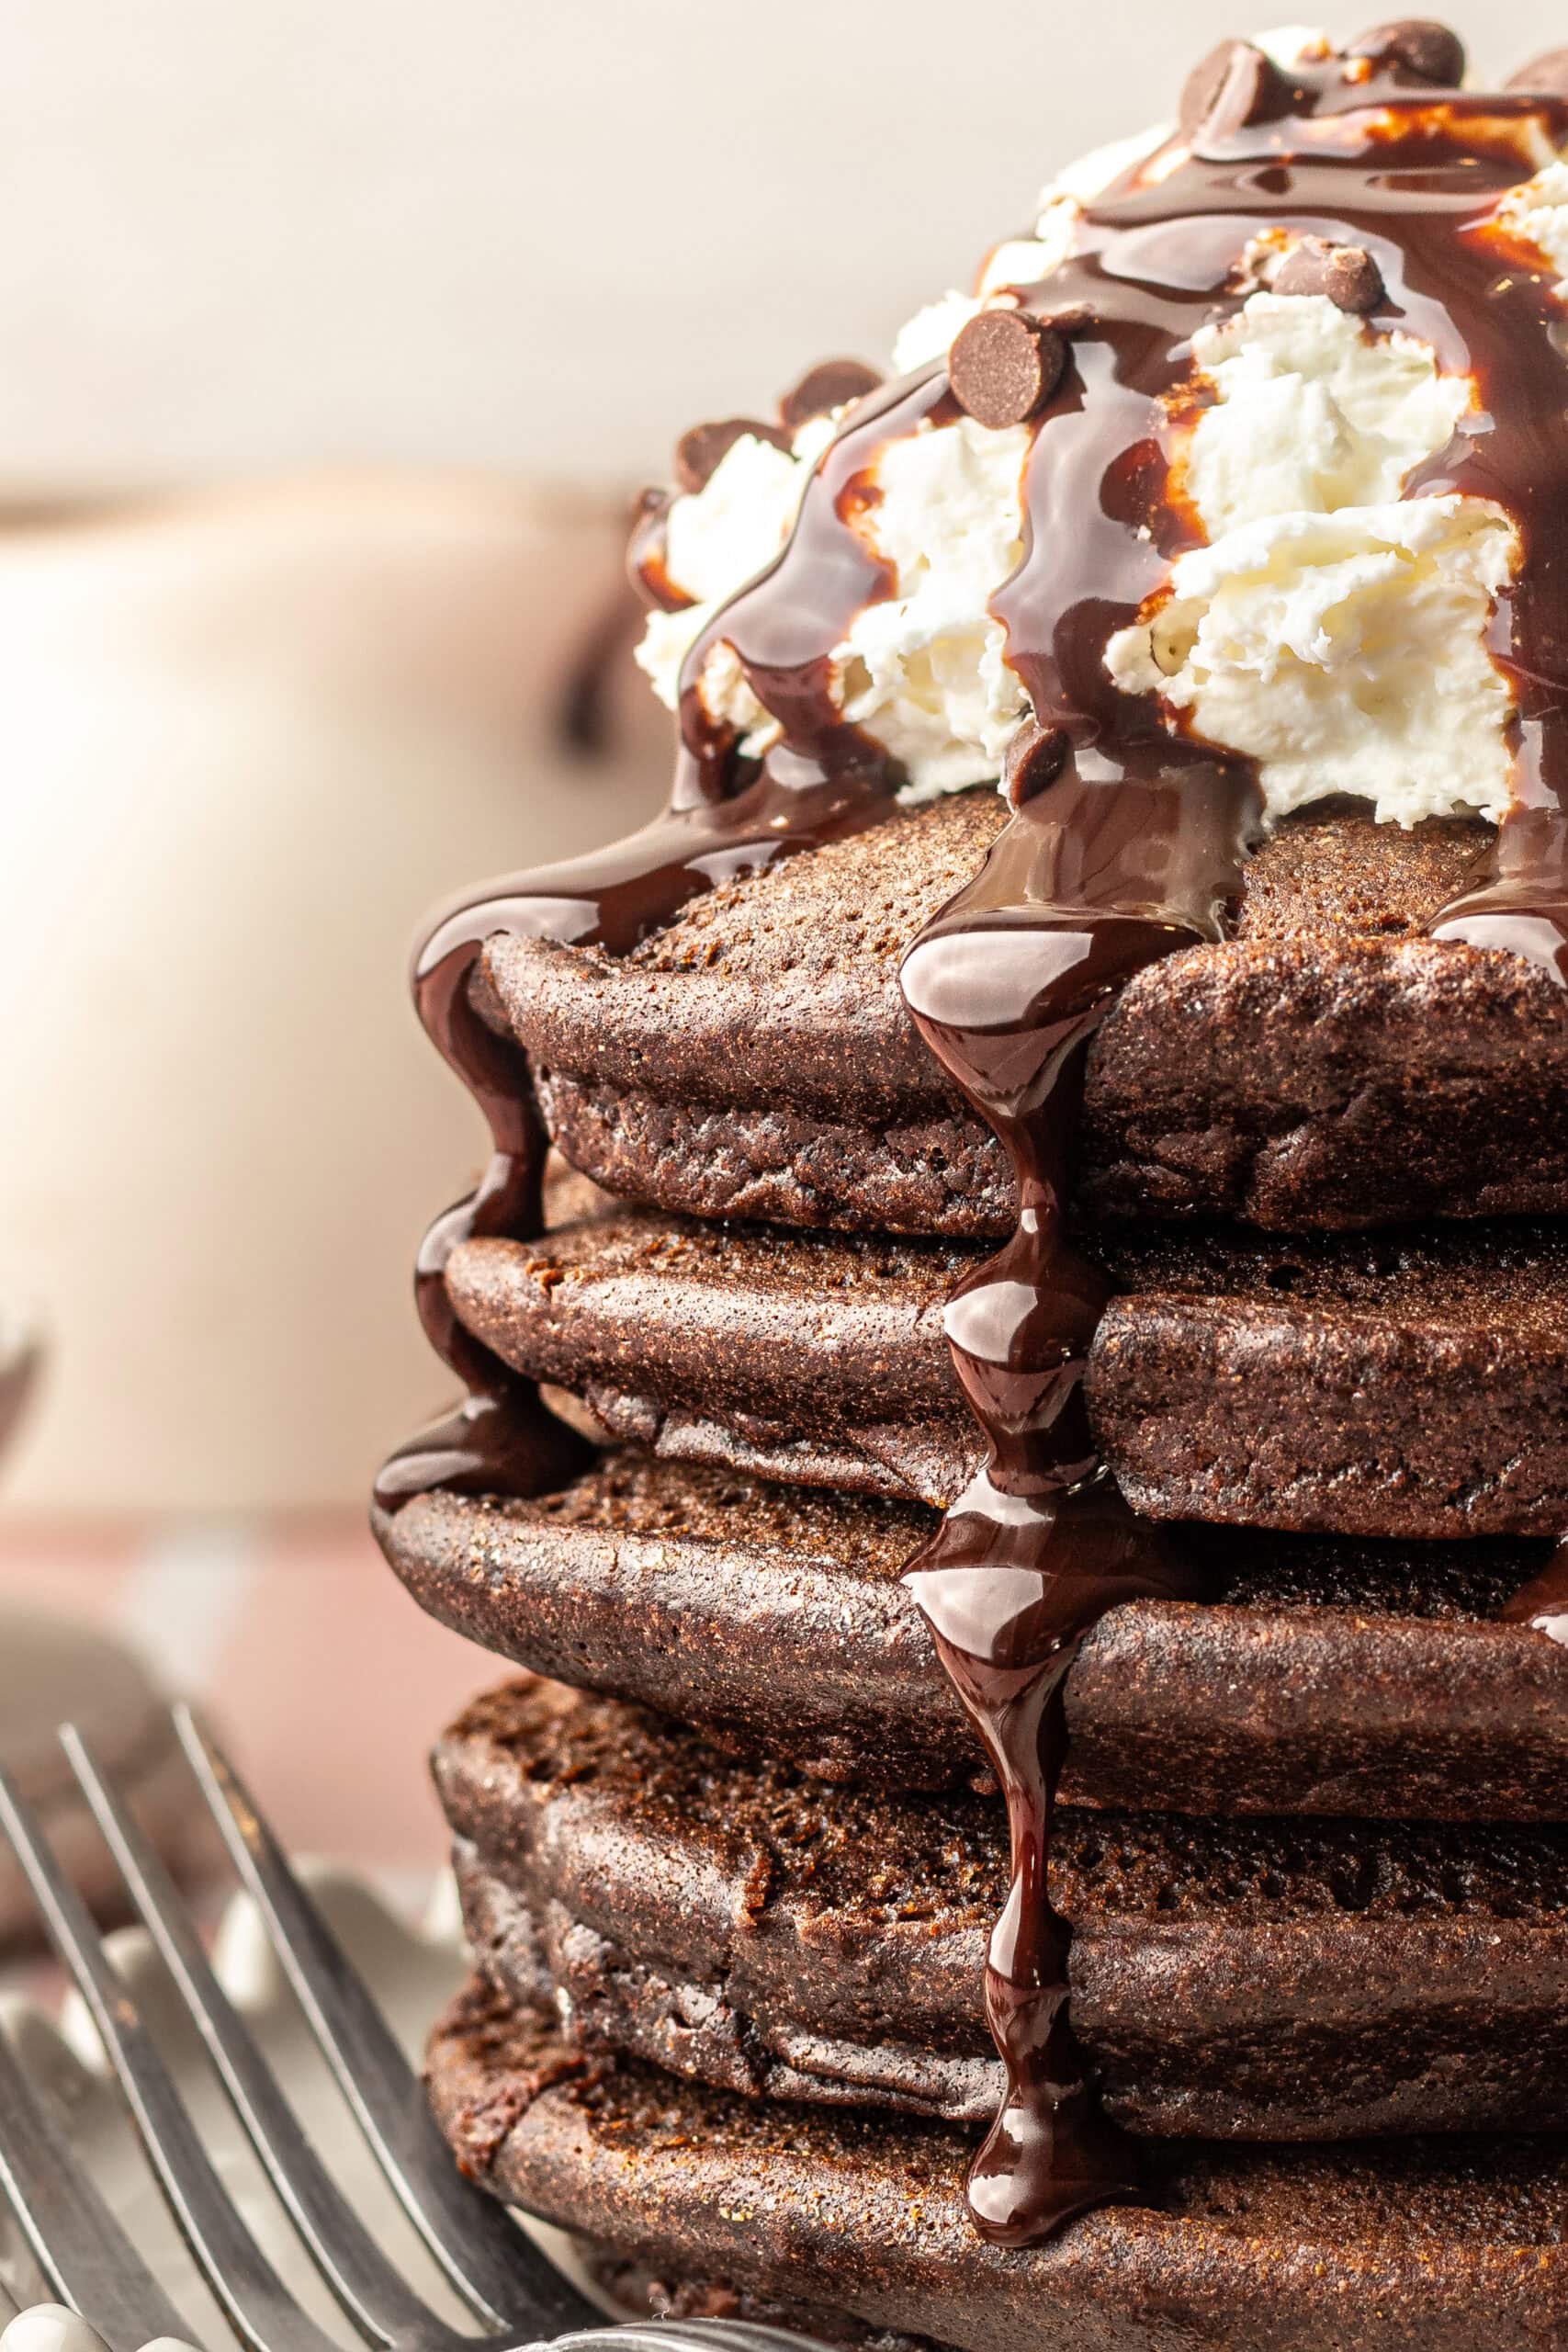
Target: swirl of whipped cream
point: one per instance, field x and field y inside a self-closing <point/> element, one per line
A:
<point x="1329" y="626"/>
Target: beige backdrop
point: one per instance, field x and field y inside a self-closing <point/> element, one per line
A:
<point x="245" y="743"/>
<point x="513" y="231"/>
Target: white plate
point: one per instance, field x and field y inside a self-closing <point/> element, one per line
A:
<point x="413" y="1972"/>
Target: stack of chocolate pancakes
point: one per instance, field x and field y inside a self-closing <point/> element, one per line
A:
<point x="1048" y="1824"/>
<point x="732" y="1909"/>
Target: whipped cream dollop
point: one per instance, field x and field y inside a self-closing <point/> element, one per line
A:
<point x="923" y="670"/>
<point x="1333" y="627"/>
<point x="1330" y="630"/>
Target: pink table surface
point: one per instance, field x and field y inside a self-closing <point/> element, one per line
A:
<point x="325" y="1681"/>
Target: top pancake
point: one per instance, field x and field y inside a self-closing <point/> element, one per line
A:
<point x="1328" y="1067"/>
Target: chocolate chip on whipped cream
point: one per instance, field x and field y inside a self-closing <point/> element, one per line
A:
<point x="1427" y="51"/>
<point x="700" y="452"/>
<point x="1548" y="74"/>
<point x="832" y="384"/>
<point x="1347" y="274"/>
<point x="1225" y="92"/>
<point x="1004" y="366"/>
<point x="1036" y="757"/>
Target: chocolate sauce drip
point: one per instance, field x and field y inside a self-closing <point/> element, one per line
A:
<point x="1134" y="852"/>
<point x="648" y="555"/>
<point x="784" y="627"/>
<point x="1130" y="850"/>
<point x="728" y="816"/>
<point x="1093" y="879"/>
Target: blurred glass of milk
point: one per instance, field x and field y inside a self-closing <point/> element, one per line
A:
<point x="248" y="739"/>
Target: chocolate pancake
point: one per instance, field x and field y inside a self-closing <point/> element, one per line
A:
<point x="1410" y="1384"/>
<point x="1326" y="1068"/>
<point x="1325" y="1677"/>
<point x="816" y="1358"/>
<point x="1420" y="2245"/>
<point x="751" y="1928"/>
<point x="1413" y="1385"/>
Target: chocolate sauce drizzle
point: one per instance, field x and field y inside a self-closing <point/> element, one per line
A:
<point x="728" y="816"/>
<point x="1134" y="850"/>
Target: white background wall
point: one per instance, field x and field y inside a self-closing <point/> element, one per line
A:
<point x="537" y="233"/>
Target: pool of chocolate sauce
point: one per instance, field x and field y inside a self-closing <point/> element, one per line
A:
<point x="1133" y="851"/>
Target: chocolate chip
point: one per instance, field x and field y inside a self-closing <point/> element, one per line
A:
<point x="1347" y="274"/>
<point x="1004" y="365"/>
<point x="1426" y="51"/>
<point x="1546" y="74"/>
<point x="1226" y="92"/>
<point x="821" y="390"/>
<point x="700" y="452"/>
<point x="1036" y="758"/>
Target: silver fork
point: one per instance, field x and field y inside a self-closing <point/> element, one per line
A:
<point x="517" y="2295"/>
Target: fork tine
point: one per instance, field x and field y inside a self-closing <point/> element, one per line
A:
<point x="380" y="2303"/>
<point x="498" y="2270"/>
<point x="259" y="2307"/>
<point x="85" y="2257"/>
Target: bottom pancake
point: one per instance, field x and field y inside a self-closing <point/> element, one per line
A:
<point x="1416" y="2246"/>
<point x="750" y="1927"/>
